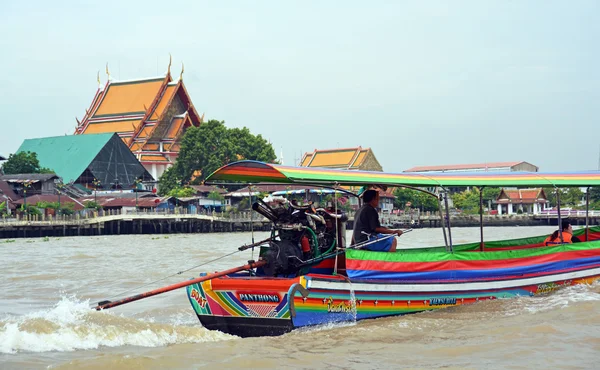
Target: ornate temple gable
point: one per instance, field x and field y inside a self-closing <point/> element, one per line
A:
<point x="176" y="108"/>
<point x="149" y="115"/>
<point x="122" y="106"/>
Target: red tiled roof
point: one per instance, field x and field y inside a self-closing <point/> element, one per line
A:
<point x="6" y="189"/>
<point x="207" y="189"/>
<point x="521" y="195"/>
<point x="129" y="202"/>
<point x="34" y="199"/>
<point x="490" y="165"/>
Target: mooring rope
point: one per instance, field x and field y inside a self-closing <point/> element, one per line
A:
<point x="178" y="273"/>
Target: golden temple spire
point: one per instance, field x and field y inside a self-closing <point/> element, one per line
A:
<point x="182" y="69"/>
<point x="98" y="78"/>
<point x="107" y="72"/>
<point x="170" y="62"/>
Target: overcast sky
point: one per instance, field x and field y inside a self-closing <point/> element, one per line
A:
<point x="420" y="82"/>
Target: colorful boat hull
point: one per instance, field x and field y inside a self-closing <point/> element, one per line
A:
<point x="389" y="284"/>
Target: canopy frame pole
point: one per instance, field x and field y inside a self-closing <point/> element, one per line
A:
<point x="251" y="214"/>
<point x="443" y="223"/>
<point x="587" y="215"/>
<point x="559" y="219"/>
<point x="448" y="219"/>
<point x="337" y="232"/>
<point x="481" y="243"/>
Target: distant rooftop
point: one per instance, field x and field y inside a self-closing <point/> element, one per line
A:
<point x="358" y="158"/>
<point x="2" y="158"/>
<point x="489" y="166"/>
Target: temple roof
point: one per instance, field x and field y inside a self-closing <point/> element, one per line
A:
<point x="350" y="158"/>
<point x="140" y="112"/>
<point x="526" y="196"/>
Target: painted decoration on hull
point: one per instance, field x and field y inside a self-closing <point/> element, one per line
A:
<point x="332" y="305"/>
<point x="266" y="298"/>
<point x="470" y="266"/>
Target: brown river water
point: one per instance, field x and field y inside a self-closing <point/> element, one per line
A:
<point x="48" y="286"/>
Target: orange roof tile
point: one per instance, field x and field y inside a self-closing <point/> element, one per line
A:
<point x="306" y="160"/>
<point x="175" y="126"/>
<point x="332" y="158"/>
<point x="522" y="195"/>
<point x="349" y="158"/>
<point x="153" y="158"/>
<point x="129" y="97"/>
<point x="151" y="146"/>
<point x="112" y="126"/>
<point x="164" y="100"/>
<point x="360" y="158"/>
<point x="136" y="146"/>
<point x="145" y="132"/>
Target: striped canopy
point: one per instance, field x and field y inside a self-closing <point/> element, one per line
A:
<point x="253" y="172"/>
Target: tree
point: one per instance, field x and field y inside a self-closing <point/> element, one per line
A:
<point x="215" y="196"/>
<point x="4" y="211"/>
<point x="550" y="196"/>
<point x="490" y="194"/>
<point x="418" y="199"/>
<point x="182" y="192"/>
<point x="570" y="197"/>
<point x="467" y="200"/>
<point x="595" y="194"/>
<point x="23" y="162"/>
<point x="209" y="147"/>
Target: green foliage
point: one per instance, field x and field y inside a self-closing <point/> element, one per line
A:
<point x="30" y="210"/>
<point x="418" y="199"/>
<point x="468" y="201"/>
<point x="67" y="209"/>
<point x="595" y="194"/>
<point x="243" y="205"/>
<point x="47" y="205"/>
<point x="490" y="194"/>
<point x="169" y="180"/>
<point x="23" y="162"/>
<point x="181" y="192"/>
<point x="3" y="211"/>
<point x="90" y="204"/>
<point x="210" y="146"/>
<point x="215" y="195"/>
<point x="569" y="197"/>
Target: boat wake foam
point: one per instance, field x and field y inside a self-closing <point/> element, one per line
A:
<point x="71" y="325"/>
<point x="562" y="298"/>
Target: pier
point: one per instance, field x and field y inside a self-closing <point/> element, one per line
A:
<point x="115" y="223"/>
<point x="131" y="222"/>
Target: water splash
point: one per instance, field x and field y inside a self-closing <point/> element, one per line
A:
<point x="559" y="299"/>
<point x="70" y="325"/>
<point x="353" y="301"/>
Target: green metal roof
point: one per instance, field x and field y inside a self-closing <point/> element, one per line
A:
<point x="68" y="156"/>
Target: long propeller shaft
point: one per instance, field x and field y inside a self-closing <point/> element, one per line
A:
<point x="110" y="304"/>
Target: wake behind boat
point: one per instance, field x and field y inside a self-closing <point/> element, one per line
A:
<point x="309" y="275"/>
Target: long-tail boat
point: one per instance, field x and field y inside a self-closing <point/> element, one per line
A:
<point x="308" y="275"/>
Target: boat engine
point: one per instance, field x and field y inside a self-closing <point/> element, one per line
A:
<point x="301" y="233"/>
